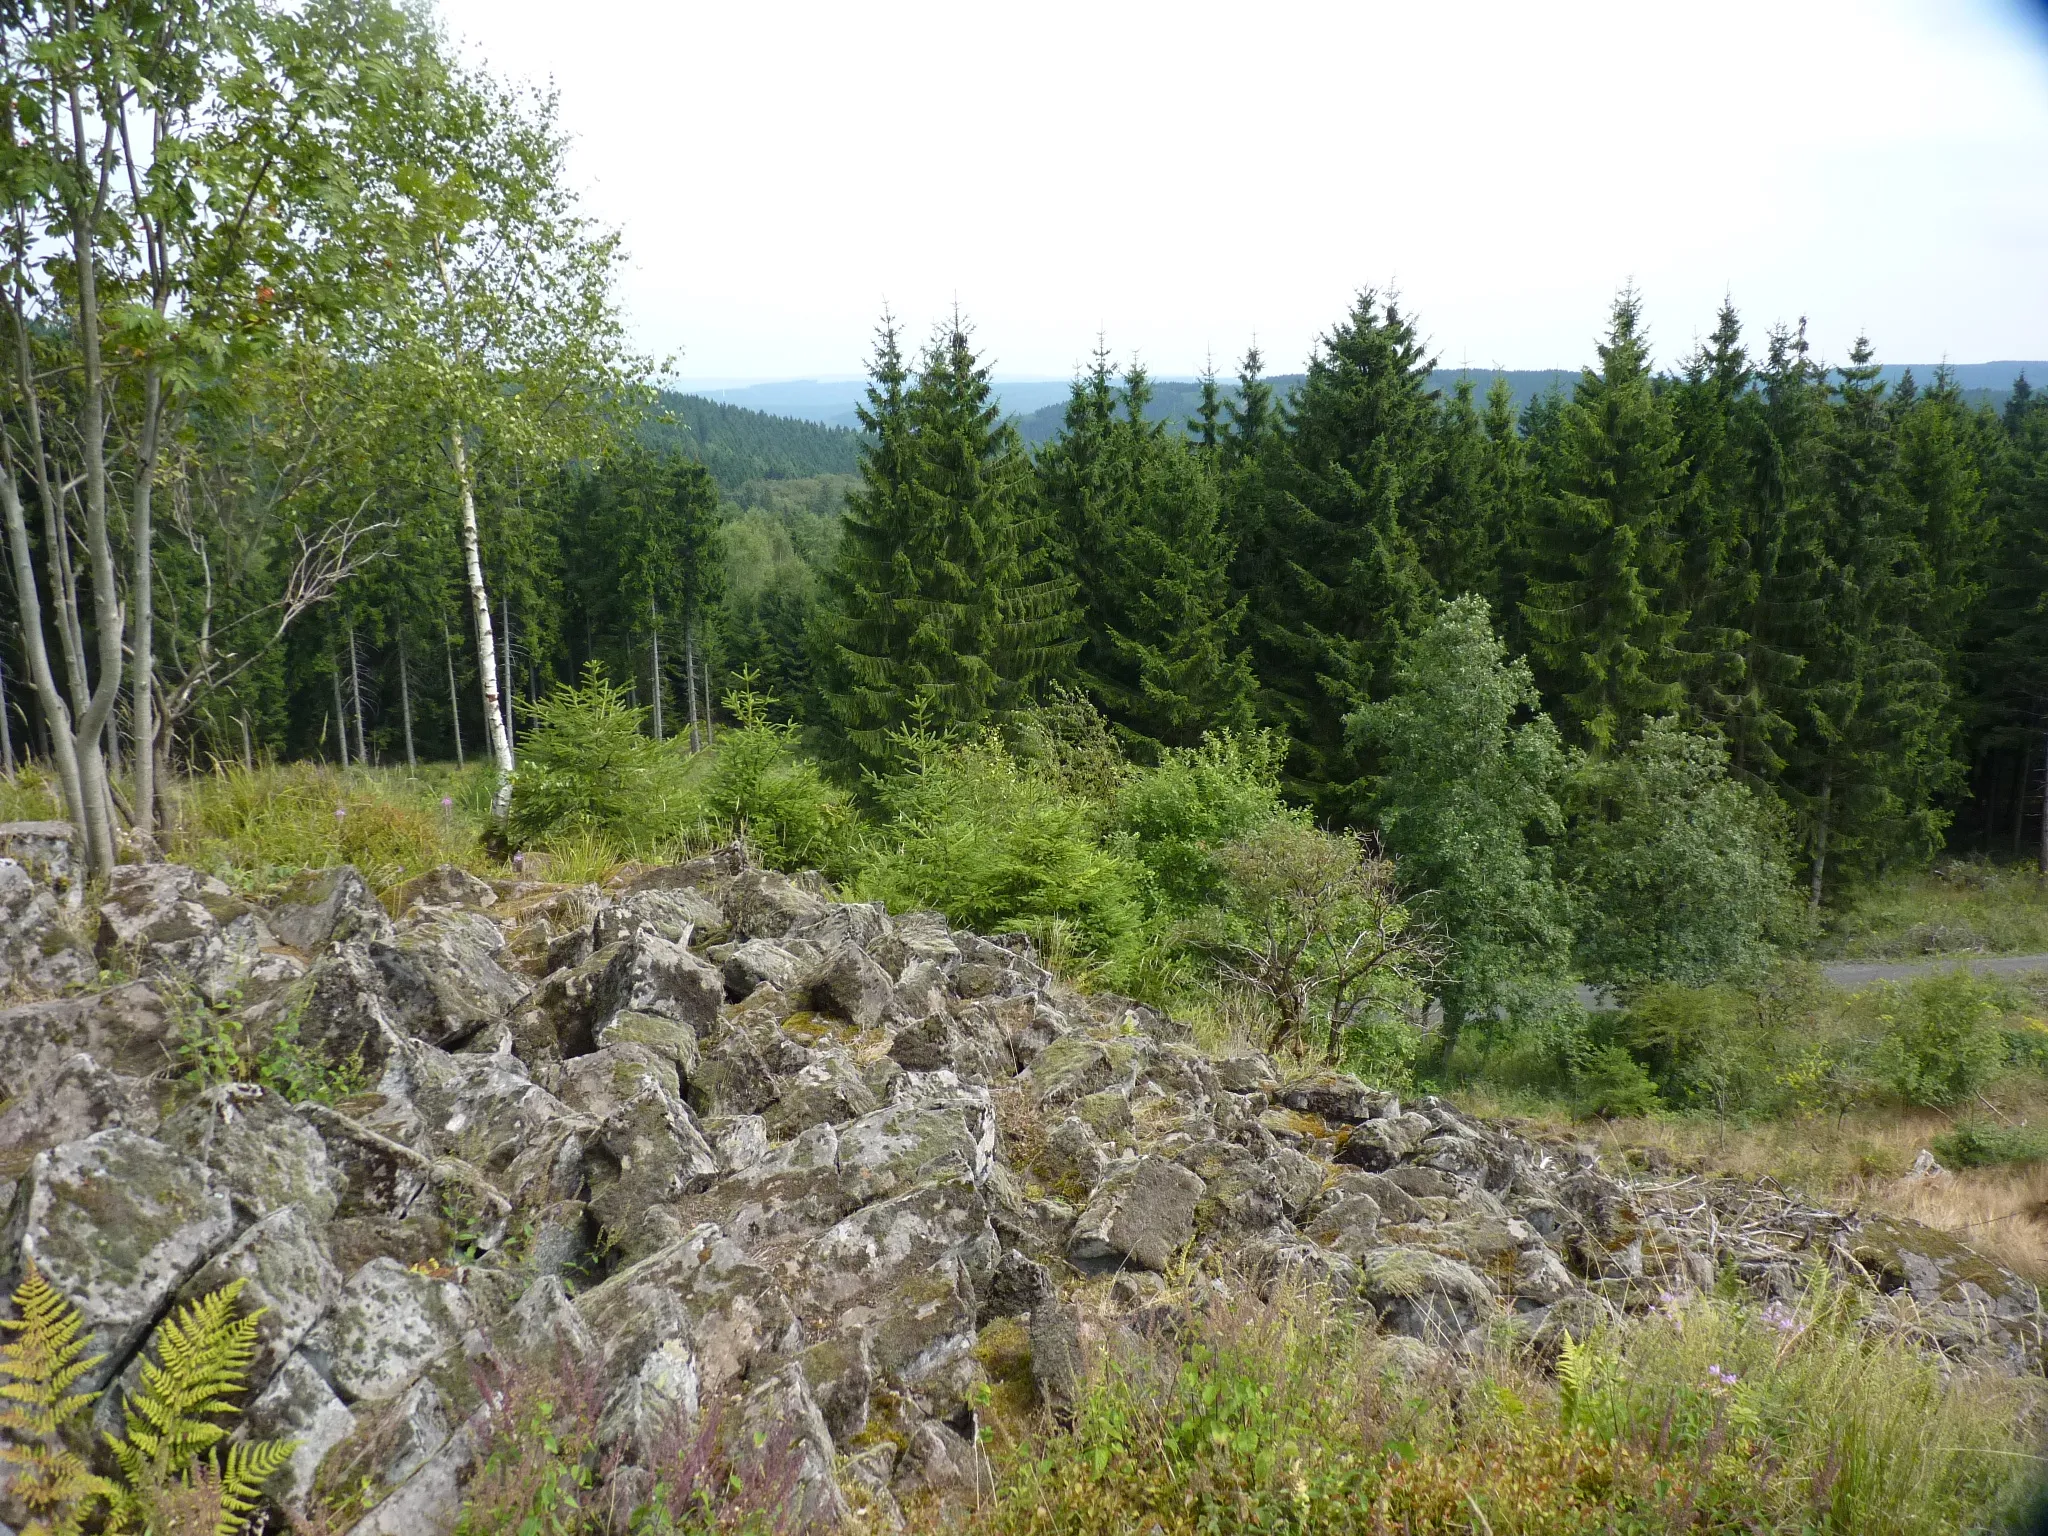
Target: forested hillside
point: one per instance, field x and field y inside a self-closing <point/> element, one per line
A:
<point x="739" y="445"/>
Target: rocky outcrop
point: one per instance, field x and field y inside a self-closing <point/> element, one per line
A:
<point x="747" y="1159"/>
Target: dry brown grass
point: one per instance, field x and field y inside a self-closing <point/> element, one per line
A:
<point x="1862" y="1160"/>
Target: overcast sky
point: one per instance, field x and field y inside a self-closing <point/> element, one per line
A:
<point x="1185" y="177"/>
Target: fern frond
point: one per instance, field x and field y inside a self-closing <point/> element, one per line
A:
<point x="42" y="1362"/>
<point x="38" y="1368"/>
<point x="242" y="1474"/>
<point x="203" y="1356"/>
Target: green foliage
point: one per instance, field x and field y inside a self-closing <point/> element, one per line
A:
<point x="738" y="445"/>
<point x="1940" y="1044"/>
<point x="1140" y="522"/>
<point x="1983" y="1144"/>
<point x="942" y="611"/>
<point x="39" y="1365"/>
<point x="587" y="766"/>
<point x="219" y="1046"/>
<point x="175" y="1472"/>
<point x="1713" y="1415"/>
<point x="1676" y="872"/>
<point x="760" y="788"/>
<point x="1613" y="1085"/>
<point x="1312" y="929"/>
<point x="1465" y="800"/>
<point x="257" y="827"/>
<point x="965" y="831"/>
<point x="1175" y="818"/>
<point x="1603" y="548"/>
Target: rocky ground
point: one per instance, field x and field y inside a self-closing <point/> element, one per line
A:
<point x="761" y="1161"/>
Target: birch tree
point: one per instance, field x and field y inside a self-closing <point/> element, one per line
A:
<point x="497" y="312"/>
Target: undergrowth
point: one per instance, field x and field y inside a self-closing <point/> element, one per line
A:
<point x="1716" y="1415"/>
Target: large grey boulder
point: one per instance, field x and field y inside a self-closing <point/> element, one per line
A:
<point x="648" y="1152"/>
<point x="287" y="1278"/>
<point x="116" y="1223"/>
<point x="37" y="952"/>
<point x="910" y="1272"/>
<point x="441" y="976"/>
<point x="43" y="848"/>
<point x="1425" y="1295"/>
<point x="388" y="1326"/>
<point x="327" y="906"/>
<point x="168" y="918"/>
<point x="650" y="974"/>
<point x="125" y="1029"/>
<point x="1138" y="1217"/>
<point x="757" y="963"/>
<point x="761" y="904"/>
<point x="299" y="1406"/>
<point x="261" y="1151"/>
<point x="779" y="1432"/>
<point x="70" y="1103"/>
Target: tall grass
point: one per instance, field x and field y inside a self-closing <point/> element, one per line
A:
<point x="255" y="827"/>
<point x="1961" y="906"/>
<point x="1280" y="1415"/>
<point x="30" y="795"/>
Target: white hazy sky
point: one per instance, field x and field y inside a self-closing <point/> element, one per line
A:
<point x="1184" y="177"/>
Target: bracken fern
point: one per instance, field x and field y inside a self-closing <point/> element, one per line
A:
<point x="42" y="1361"/>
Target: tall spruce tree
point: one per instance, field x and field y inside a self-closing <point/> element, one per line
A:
<point x="942" y="610"/>
<point x="1875" y="748"/>
<point x="1604" y="637"/>
<point x="1343" y="578"/>
<point x="1139" y="513"/>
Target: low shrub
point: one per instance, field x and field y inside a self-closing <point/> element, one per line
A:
<point x="1980" y="1144"/>
<point x="1282" y="1415"/>
<point x="967" y="832"/>
<point x="586" y="767"/>
<point x="1176" y="818"/>
<point x="762" y="789"/>
<point x="1940" y="1041"/>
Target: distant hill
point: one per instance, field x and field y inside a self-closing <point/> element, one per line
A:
<point x="1039" y="404"/>
<point x="739" y="445"/>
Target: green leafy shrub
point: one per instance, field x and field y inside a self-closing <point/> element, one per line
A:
<point x="1313" y="929"/>
<point x="1174" y="819"/>
<point x="1677" y="872"/>
<point x="586" y="766"/>
<point x="1978" y="1144"/>
<point x="969" y="833"/>
<point x="761" y="788"/>
<point x="1613" y="1085"/>
<point x="1940" y="1041"/>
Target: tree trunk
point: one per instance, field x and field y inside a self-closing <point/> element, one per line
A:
<point x="480" y="602"/>
<point x="654" y="630"/>
<point x="710" y="732"/>
<point x="1820" y="841"/>
<point x="405" y="707"/>
<point x="690" y="676"/>
<point x="2044" y="804"/>
<point x="355" y="689"/>
<point x="6" y="729"/>
<point x="55" y="713"/>
<point x="340" y="716"/>
<point x="142" y="599"/>
<point x="454" y="695"/>
<point x="248" y="746"/>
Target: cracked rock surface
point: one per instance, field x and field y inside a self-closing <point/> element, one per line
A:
<point x="733" y="1145"/>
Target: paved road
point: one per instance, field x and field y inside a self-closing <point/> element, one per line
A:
<point x="1861" y="973"/>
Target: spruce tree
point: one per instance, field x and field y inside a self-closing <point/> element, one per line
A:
<point x="1875" y="748"/>
<point x="1343" y="578"/>
<point x="943" y="610"/>
<point x="1138" y="514"/>
<point x="1604" y="638"/>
